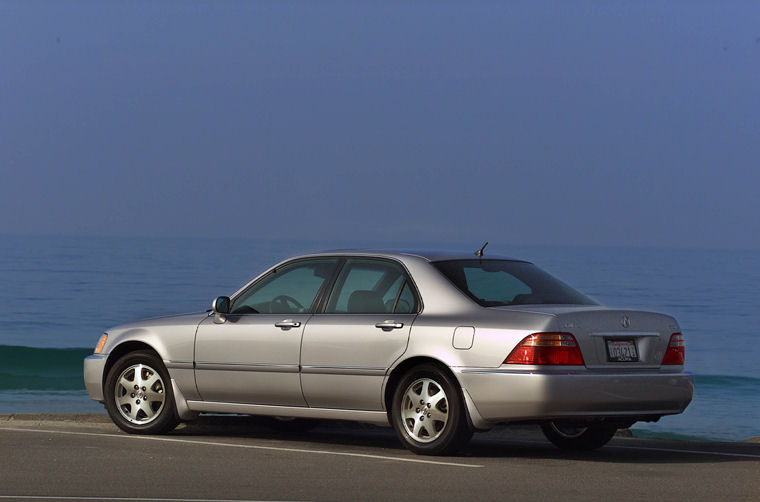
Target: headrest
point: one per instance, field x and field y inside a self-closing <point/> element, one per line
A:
<point x="365" y="302"/>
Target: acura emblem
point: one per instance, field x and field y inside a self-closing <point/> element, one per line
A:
<point x="625" y="321"/>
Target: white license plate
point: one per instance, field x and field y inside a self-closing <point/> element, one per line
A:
<point x="621" y="351"/>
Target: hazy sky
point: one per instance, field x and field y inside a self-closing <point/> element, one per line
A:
<point x="567" y="122"/>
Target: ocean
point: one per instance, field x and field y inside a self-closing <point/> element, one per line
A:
<point x="58" y="294"/>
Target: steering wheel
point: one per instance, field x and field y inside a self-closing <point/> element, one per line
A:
<point x="285" y="301"/>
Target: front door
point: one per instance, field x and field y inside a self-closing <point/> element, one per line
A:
<point x="252" y="354"/>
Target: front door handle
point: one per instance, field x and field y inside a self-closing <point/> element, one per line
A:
<point x="287" y="324"/>
<point x="389" y="325"/>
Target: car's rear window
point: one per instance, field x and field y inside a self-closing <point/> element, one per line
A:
<point x="494" y="283"/>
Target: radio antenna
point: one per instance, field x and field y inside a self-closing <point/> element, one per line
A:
<point x="479" y="252"/>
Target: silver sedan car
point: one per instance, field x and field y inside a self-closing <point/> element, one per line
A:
<point x="437" y="345"/>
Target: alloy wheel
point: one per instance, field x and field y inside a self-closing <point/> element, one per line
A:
<point x="139" y="394"/>
<point x="424" y="410"/>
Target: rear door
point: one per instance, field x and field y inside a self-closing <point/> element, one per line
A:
<point x="347" y="349"/>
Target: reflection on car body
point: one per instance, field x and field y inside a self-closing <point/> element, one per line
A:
<point x="437" y="345"/>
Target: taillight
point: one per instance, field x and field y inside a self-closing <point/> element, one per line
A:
<point x="675" y="353"/>
<point x="546" y="348"/>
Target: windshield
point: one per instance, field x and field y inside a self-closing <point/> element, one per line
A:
<point x="494" y="283"/>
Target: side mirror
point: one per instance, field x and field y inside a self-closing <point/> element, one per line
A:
<point x="221" y="305"/>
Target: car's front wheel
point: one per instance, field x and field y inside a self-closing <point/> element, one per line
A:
<point x="578" y="436"/>
<point x="139" y="396"/>
<point x="428" y="412"/>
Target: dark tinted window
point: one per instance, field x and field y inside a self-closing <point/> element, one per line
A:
<point x="504" y="282"/>
<point x="285" y="290"/>
<point x="406" y="303"/>
<point x="367" y="286"/>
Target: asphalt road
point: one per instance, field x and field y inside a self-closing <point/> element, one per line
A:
<point x="239" y="458"/>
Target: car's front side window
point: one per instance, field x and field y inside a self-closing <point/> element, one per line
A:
<point x="367" y="286"/>
<point x="291" y="288"/>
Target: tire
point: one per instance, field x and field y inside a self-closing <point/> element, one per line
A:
<point x="428" y="412"/>
<point x="577" y="436"/>
<point x="136" y="408"/>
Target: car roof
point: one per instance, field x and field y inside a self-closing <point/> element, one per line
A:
<point x="426" y="255"/>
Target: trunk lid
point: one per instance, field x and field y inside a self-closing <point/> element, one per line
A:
<point x="612" y="338"/>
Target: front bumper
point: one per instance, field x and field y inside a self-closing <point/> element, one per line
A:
<point x="94" y="365"/>
<point x="506" y="395"/>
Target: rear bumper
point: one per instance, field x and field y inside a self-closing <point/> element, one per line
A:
<point x="500" y="395"/>
<point x="93" y="375"/>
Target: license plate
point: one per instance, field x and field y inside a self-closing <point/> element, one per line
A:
<point x="621" y="351"/>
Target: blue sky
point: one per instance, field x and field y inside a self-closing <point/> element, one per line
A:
<point x="563" y="123"/>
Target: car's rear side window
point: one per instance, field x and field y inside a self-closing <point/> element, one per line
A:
<point x="506" y="282"/>
<point x="367" y="286"/>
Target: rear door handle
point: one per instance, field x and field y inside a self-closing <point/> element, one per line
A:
<point x="389" y="325"/>
<point x="287" y="324"/>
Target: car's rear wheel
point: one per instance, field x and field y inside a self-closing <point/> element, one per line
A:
<point x="428" y="412"/>
<point x="139" y="396"/>
<point x="578" y="436"/>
